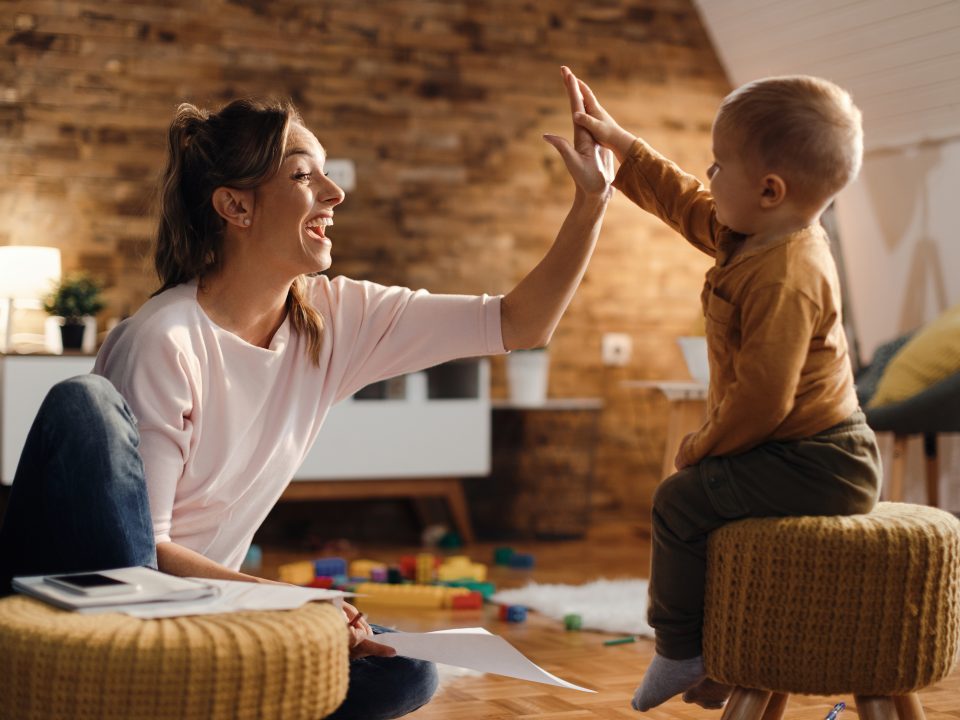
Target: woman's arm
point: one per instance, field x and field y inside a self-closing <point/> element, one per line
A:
<point x="531" y="311"/>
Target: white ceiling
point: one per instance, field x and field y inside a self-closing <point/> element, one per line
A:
<point x="900" y="59"/>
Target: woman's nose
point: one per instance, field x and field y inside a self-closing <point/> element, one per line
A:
<point x="330" y="192"/>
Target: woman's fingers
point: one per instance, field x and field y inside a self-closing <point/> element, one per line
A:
<point x="366" y="648"/>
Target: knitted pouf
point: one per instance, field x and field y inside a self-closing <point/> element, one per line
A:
<point x="278" y="664"/>
<point x="866" y="604"/>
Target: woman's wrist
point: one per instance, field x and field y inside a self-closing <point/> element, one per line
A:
<point x="586" y="202"/>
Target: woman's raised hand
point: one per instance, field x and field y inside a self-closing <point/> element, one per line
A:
<point x="589" y="164"/>
<point x="600" y="124"/>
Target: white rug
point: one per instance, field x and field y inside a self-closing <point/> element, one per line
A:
<point x="618" y="606"/>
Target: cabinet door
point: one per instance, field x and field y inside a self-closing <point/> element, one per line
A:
<point x="24" y="382"/>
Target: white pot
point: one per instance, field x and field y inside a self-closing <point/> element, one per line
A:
<point x="528" y="372"/>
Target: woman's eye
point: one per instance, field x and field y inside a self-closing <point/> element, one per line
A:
<point x="712" y="170"/>
<point x="301" y="176"/>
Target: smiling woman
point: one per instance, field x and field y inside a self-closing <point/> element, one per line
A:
<point x="219" y="385"/>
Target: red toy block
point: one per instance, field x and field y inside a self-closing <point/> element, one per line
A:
<point x="470" y="601"/>
<point x="321" y="582"/>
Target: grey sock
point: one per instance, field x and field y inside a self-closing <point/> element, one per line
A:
<point x="666" y="678"/>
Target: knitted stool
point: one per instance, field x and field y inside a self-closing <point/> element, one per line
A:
<point x="867" y="605"/>
<point x="278" y="664"/>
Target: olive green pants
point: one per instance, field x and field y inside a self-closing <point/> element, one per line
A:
<point x="836" y="472"/>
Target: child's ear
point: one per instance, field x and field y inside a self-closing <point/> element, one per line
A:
<point x="774" y="191"/>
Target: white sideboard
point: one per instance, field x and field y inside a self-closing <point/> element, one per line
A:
<point x="430" y="424"/>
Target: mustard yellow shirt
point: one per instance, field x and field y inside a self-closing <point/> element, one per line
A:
<point x="779" y="367"/>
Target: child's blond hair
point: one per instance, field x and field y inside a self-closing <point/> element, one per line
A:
<point x="803" y="128"/>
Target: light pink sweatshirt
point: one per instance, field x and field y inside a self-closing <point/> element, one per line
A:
<point x="225" y="424"/>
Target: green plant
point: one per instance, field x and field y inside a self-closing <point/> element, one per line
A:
<point x="76" y="295"/>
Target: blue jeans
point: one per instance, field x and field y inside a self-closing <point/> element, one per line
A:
<point x="79" y="503"/>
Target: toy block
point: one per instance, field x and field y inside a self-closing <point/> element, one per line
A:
<point x="426" y="568"/>
<point x="394" y="575"/>
<point x="363" y="568"/>
<point x="298" y="573"/>
<point x="484" y="588"/>
<point x="572" y="621"/>
<point x="330" y="566"/>
<point x="427" y="596"/>
<point x="450" y="540"/>
<point x="460" y="567"/>
<point x="470" y="601"/>
<point x="502" y="555"/>
<point x="513" y="613"/>
<point x="253" y="559"/>
<point x="408" y="567"/>
<point x="321" y="582"/>
<point x="521" y="561"/>
<point x="378" y="574"/>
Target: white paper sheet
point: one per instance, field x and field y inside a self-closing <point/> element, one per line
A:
<point x="473" y="648"/>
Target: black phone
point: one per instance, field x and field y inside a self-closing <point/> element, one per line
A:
<point x="91" y="584"/>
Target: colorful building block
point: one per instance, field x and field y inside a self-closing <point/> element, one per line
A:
<point x="329" y="566"/>
<point x="572" y="621"/>
<point x="321" y="582"/>
<point x="513" y="613"/>
<point x="470" y="601"/>
<point x="363" y="568"/>
<point x="460" y="567"/>
<point x="484" y="588"/>
<point x="298" y="573"/>
<point x="394" y="575"/>
<point x="378" y="574"/>
<point x="427" y="596"/>
<point x="426" y="568"/>
<point x="253" y="559"/>
<point x="502" y="555"/>
<point x="521" y="561"/>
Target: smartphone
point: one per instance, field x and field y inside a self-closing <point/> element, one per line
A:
<point x="91" y="584"/>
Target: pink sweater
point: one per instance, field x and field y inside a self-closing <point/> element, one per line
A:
<point x="225" y="424"/>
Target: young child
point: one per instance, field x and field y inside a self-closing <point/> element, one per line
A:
<point x="784" y="434"/>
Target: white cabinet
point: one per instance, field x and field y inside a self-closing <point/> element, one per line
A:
<point x="24" y="382"/>
<point x="430" y="424"/>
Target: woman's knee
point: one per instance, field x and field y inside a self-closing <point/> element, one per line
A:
<point x="88" y="401"/>
<point x="675" y="491"/>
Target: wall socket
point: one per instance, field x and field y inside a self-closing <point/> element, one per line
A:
<point x="615" y="348"/>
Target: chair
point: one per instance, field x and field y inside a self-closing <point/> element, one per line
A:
<point x="867" y="605"/>
<point x="931" y="412"/>
<point x="272" y="664"/>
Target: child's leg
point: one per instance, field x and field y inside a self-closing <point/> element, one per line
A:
<point x="833" y="473"/>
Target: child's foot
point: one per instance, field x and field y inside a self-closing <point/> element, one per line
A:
<point x="666" y="678"/>
<point x="708" y="694"/>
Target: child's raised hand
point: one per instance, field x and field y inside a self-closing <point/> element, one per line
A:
<point x="601" y="124"/>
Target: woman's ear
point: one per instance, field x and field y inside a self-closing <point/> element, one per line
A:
<point x="234" y="206"/>
<point x="774" y="191"/>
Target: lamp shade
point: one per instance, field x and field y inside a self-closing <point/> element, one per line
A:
<point x="28" y="272"/>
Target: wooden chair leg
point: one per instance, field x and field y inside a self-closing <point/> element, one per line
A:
<point x="746" y="704"/>
<point x="909" y="707"/>
<point x="875" y="707"/>
<point x="457" y="502"/>
<point x="898" y="468"/>
<point x="933" y="469"/>
<point x="776" y="706"/>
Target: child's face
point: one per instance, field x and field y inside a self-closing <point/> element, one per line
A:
<point x="735" y="187"/>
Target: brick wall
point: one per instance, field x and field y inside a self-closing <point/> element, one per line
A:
<point x="440" y="104"/>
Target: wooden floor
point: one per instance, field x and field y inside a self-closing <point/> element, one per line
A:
<point x="611" y="551"/>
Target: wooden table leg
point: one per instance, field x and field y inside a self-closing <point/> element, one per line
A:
<point x="898" y="468"/>
<point x="909" y="707"/>
<point x="875" y="707"/>
<point x="776" y="706"/>
<point x="746" y="704"/>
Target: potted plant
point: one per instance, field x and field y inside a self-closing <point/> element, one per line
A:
<point x="76" y="298"/>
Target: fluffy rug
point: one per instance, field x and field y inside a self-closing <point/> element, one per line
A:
<point x="617" y="606"/>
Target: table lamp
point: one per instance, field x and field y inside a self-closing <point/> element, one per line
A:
<point x="27" y="275"/>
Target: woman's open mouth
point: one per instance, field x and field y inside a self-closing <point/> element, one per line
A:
<point x="316" y="227"/>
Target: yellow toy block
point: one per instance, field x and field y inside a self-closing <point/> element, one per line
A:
<point x="426" y="568"/>
<point x="298" y="573"/>
<point x="362" y="568"/>
<point x="425" y="596"/>
<point x="460" y="567"/>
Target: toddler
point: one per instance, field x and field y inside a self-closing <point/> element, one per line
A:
<point x="784" y="434"/>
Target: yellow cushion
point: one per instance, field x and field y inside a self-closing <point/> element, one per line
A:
<point x="932" y="355"/>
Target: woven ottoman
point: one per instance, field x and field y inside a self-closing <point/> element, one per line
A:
<point x="279" y="664"/>
<point x="867" y="605"/>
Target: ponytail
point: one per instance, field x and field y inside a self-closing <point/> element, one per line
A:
<point x="240" y="146"/>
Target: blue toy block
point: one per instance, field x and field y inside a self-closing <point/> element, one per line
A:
<point x="253" y="560"/>
<point x="521" y="560"/>
<point x="330" y="566"/>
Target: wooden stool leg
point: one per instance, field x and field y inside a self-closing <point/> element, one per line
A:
<point x="875" y="707"/>
<point x="898" y="468"/>
<point x="909" y="707"/>
<point x="933" y="469"/>
<point x="457" y="502"/>
<point x="746" y="704"/>
<point x="776" y="706"/>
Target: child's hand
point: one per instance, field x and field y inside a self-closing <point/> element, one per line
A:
<point x="681" y="460"/>
<point x="601" y="124"/>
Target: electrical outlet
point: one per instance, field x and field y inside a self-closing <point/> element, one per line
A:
<point x="616" y="348"/>
<point x="343" y="172"/>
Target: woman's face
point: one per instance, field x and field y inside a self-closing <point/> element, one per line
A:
<point x="294" y="208"/>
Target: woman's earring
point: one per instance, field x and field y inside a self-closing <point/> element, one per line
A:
<point x="246" y="221"/>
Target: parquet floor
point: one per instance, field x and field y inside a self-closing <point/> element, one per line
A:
<point x="611" y="550"/>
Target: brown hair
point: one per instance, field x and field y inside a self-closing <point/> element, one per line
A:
<point x="240" y="147"/>
<point x="804" y="128"/>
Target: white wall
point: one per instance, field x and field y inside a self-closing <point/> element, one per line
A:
<point x="900" y="233"/>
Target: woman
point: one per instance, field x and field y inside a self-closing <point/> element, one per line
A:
<point x="226" y="374"/>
